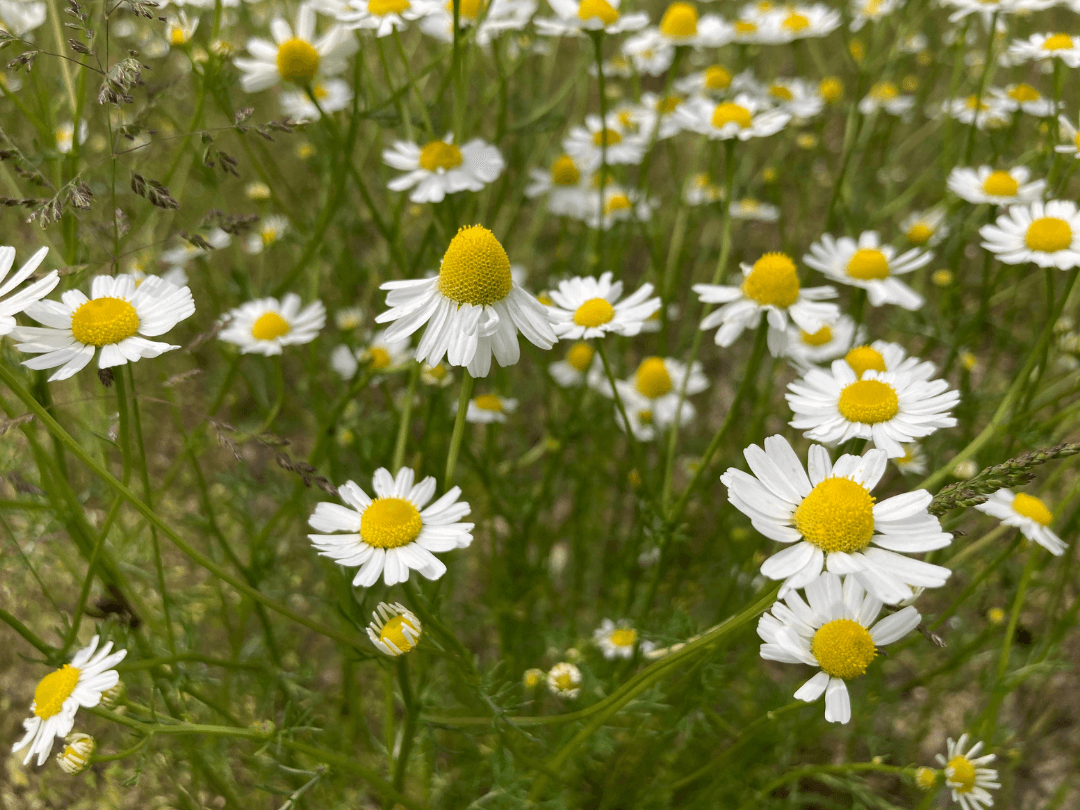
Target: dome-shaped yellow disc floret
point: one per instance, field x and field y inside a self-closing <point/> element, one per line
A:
<point x="297" y="61"/>
<point x="599" y="10"/>
<point x="439" y="155"/>
<point x="868" y="402"/>
<point x="843" y="648"/>
<point x="1048" y="235"/>
<point x="268" y="326"/>
<point x="865" y="358"/>
<point x="652" y="379"/>
<point x="475" y="268"/>
<point x="594" y="312"/>
<point x="679" y="21"/>
<point x="1031" y="507"/>
<point x="103" y="321"/>
<point x="868" y="264"/>
<point x="390" y="523"/>
<point x="54" y="689"/>
<point x="837" y="515"/>
<point x="773" y="281"/>
<point x="1000" y="184"/>
<point x="729" y="112"/>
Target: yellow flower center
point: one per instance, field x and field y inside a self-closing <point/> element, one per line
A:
<point x="53" y="690"/>
<point x="598" y="9"/>
<point x="1024" y="92"/>
<point x="919" y="233"/>
<point x="843" y="648"/>
<point x="652" y="378"/>
<point x="1031" y="507"/>
<point x="564" y="172"/>
<point x="668" y="105"/>
<point x="729" y="112"/>
<point x="381" y="8"/>
<point x="773" y="281"/>
<point x="680" y="20"/>
<point x="1076" y="141"/>
<point x="818" y="338"/>
<point x="867" y="264"/>
<point x="394" y="632"/>
<point x="103" y="321"/>
<point x="488" y="402"/>
<point x="863" y="359"/>
<point x="177" y="36"/>
<point x="297" y="61"/>
<point x="717" y="77"/>
<point x="831" y="89"/>
<point x="961" y="774"/>
<point x="580" y="355"/>
<point x="868" y="402"/>
<point x="925" y="778"/>
<point x="469" y="9"/>
<point x="390" y="523"/>
<point x="269" y="235"/>
<point x="884" y="91"/>
<point x="1058" y="42"/>
<point x="594" y="312"/>
<point x="780" y="92"/>
<point x="617" y="202"/>
<point x="837" y="515"/>
<point x="796" y="22"/>
<point x="1000" y="184"/>
<point x="475" y="268"/>
<point x="608" y="136"/>
<point x="564" y="681"/>
<point x="378" y="357"/>
<point x="623" y="637"/>
<point x="1048" y="235"/>
<point x="745" y="27"/>
<point x="439" y="155"/>
<point x="270" y="325"/>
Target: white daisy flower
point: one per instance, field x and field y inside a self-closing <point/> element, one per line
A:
<point x="64" y="135"/>
<point x="886" y="96"/>
<point x="1028" y="514"/>
<point x="806" y="349"/>
<point x="78" y="748"/>
<point x="32" y="293"/>
<point x="925" y="227"/>
<point x="269" y="231"/>
<point x="997" y="187"/>
<point x="295" y="55"/>
<point x="701" y="190"/>
<point x="770" y="287"/>
<point x="865" y="11"/>
<point x="575" y="17"/>
<point x="885" y="407"/>
<point x="117" y="318"/>
<point x="562" y="185"/>
<point x="1046" y="234"/>
<point x="648" y="417"/>
<point x="913" y="462"/>
<point x="185" y="251"/>
<point x="870" y="265"/>
<point x="20" y="17"/>
<point x="488" y="409"/>
<point x="798" y="97"/>
<point x="564" y="680"/>
<point x="180" y="29"/>
<point x="660" y="379"/>
<point x="266" y="325"/>
<point x="585" y="144"/>
<point x="333" y="95"/>
<point x="489" y="18"/>
<point x="1043" y="47"/>
<point x="743" y="117"/>
<point x="985" y="113"/>
<point x="174" y="275"/>
<point x="831" y="520"/>
<point x="883" y="356"/>
<point x="393" y="533"/>
<point x="437" y="375"/>
<point x="379" y="355"/>
<point x="472" y="309"/>
<point x="60" y="694"/>
<point x="966" y="776"/>
<point x="803" y="22"/>
<point x="649" y="52"/>
<point x="620" y="205"/>
<point x="349" y="318"/>
<point x="651" y="112"/>
<point x="396" y="630"/>
<point x="1070" y="134"/>
<point x="1023" y="97"/>
<point x="754" y="210"/>
<point x="616" y="640"/>
<point x="581" y="366"/>
<point x="586" y="307"/>
<point x="680" y="25"/>
<point x="714" y="80"/>
<point x="834" y="629"/>
<point x="384" y="16"/>
<point x="440" y="167"/>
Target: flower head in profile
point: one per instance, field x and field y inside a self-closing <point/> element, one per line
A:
<point x="564" y="680"/>
<point x="1027" y="513"/>
<point x="395" y="532"/>
<point x="395" y="629"/>
<point x="384" y="17"/>
<point x="612" y="139"/>
<point x="922" y="228"/>
<point x="743" y="117"/>
<point x="562" y="184"/>
<point x="332" y="95"/>
<point x="886" y="97"/>
<point x="440" y="167"/>
<point x="490" y="18"/>
<point x="681" y="25"/>
<point x="267" y="325"/>
<point x="868" y="264"/>
<point x="586" y="307"/>
<point x="377" y="354"/>
<point x="1071" y="135"/>
<point x="966" y="775"/>
<point x="807" y="349"/>
<point x="1046" y="234"/>
<point x="1043" y="48"/>
<point x="828" y="518"/>
<point x="995" y="186"/>
<point x="616" y="639"/>
<point x="60" y="694"/>
<point x="13" y="300"/>
<point x="487" y="409"/>
<point x="75" y="757"/>
<point x="649" y="417"/>
<point x="577" y="17"/>
<point x="834" y="629"/>
<point x="116" y="319"/>
<point x="580" y="366"/>
<point x="473" y="308"/>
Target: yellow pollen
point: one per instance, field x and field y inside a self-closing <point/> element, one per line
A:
<point x="867" y="264"/>
<point x="564" y="681"/>
<point x="594" y="312"/>
<point x="103" y="321"/>
<point x="580" y="356"/>
<point x="883" y="91"/>
<point x="781" y="92"/>
<point x="469" y="9"/>
<point x="297" y="61"/>
<point x="843" y="648"/>
<point x="668" y="105"/>
<point x="1024" y="92"/>
<point x="393" y="631"/>
<point x="623" y="637"/>
<point x="831" y="89"/>
<point x="868" y="402"/>
<point x="863" y="359"/>
<point x="680" y="20"/>
<point x="53" y="690"/>
<point x="1000" y="184"/>
<point x="837" y="515"/>
<point x="1048" y="235"/>
<point x="773" y="281"/>
<point x="270" y="325"/>
<point x="475" y="268"/>
<point x="745" y="27"/>
<point x="919" y="233"/>
<point x="564" y="172"/>
<point x="729" y="112"/>
<point x="961" y="774"/>
<point x="652" y="378"/>
<point x="381" y="8"/>
<point x="717" y="77"/>
<point x="599" y="10"/>
<point x="390" y="523"/>
<point x="818" y="338"/>
<point x="1031" y="507"/>
<point x="177" y="36"/>
<point x="1058" y="42"/>
<point x="617" y="202"/>
<point x="379" y="357"/>
<point x="488" y="402"/>
<point x="609" y="135"/>
<point x="796" y="22"/>
<point x="439" y="155"/>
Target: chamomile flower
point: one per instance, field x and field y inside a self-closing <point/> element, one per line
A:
<point x="660" y="379"/>
<point x="1046" y="234"/>
<point x="701" y="190"/>
<point x="489" y="409"/>
<point x="60" y="694"/>
<point x="753" y="210"/>
<point x="653" y="116"/>
<point x="1070" y="134"/>
<point x="886" y="97"/>
<point x="349" y="318"/>
<point x="117" y="318"/>
<point x="562" y="185"/>
<point x="883" y="356"/>
<point x="616" y="640"/>
<point x="75" y="757"/>
<point x="576" y="17"/>
<point x="395" y="629"/>
<point x="995" y="186"/>
<point x="266" y="325"/>
<point x="649" y="52"/>
<point x="580" y="366"/>
<point x="586" y="145"/>
<point x="30" y="294"/>
<point x="806" y="349"/>
<point x="649" y="416"/>
<point x="383" y="16"/>
<point x="1023" y="97"/>
<point x="441" y="167"/>
<point x="830" y="520"/>
<point x="833" y="629"/>
<point x="1028" y="514"/>
<point x="865" y="11"/>
<point x="913" y="462"/>
<point x="620" y="205"/>
<point x="586" y="307"/>
<point x="438" y="375"/>
<point x="332" y="95"/>
<point x="886" y="407"/>
<point x="180" y="29"/>
<point x="393" y="533"/>
<point x="1042" y="48"/>
<point x="714" y="80"/>
<point x="378" y="354"/>
<point x="564" y="680"/>
<point x="472" y="309"/>
<point x="770" y="287"/>
<point x="797" y="97"/>
<point x="743" y="117"/>
<point x="984" y="113"/>
<point x="868" y="264"/>
<point x="64" y="135"/>
<point x="296" y="54"/>
<point x="803" y="22"/>
<point x="966" y="775"/>
<point x="922" y="228"/>
<point x="269" y="231"/>
<point x="680" y="25"/>
<point x="489" y="18"/>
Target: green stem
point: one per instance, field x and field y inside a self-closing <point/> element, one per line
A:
<point x="459" y="423"/>
<point x="406" y="416"/>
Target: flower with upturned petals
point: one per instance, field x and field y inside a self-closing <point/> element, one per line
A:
<point x="966" y="775"/>
<point x="440" y="167"/>
<point x="586" y="307"/>
<point x="1028" y="514"/>
<point x="395" y="629"/>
